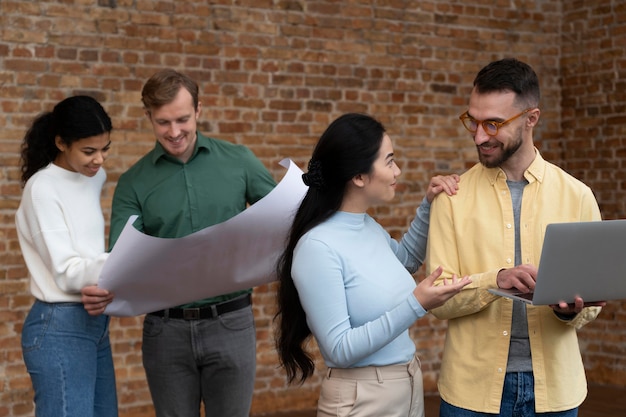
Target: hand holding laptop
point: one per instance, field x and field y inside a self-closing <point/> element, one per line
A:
<point x="521" y="277"/>
<point x="579" y="261"/>
<point x="576" y="307"/>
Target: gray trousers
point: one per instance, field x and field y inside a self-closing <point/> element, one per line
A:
<point x="210" y="360"/>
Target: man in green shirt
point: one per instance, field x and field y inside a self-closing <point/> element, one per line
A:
<point x="205" y="350"/>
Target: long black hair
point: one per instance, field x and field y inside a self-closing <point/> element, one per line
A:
<point x="348" y="147"/>
<point x="72" y="119"/>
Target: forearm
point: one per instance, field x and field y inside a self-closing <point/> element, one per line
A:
<point x="472" y="299"/>
<point x="347" y="344"/>
<point x="124" y="205"/>
<point x="411" y="250"/>
<point x="75" y="273"/>
<point x="577" y="321"/>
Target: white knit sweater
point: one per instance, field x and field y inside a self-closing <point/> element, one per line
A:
<point x="60" y="227"/>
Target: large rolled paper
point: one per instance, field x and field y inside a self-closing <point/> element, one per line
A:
<point x="148" y="273"/>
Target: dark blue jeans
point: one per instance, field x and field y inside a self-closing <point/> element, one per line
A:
<point x="68" y="356"/>
<point x="518" y="400"/>
<point x="209" y="360"/>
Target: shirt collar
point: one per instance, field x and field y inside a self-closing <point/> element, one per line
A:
<point x="202" y="142"/>
<point x="535" y="172"/>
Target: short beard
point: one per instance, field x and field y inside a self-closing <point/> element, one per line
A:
<point x="507" y="152"/>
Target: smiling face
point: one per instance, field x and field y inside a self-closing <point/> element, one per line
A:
<point x="84" y="156"/>
<point x="174" y="125"/>
<point x="380" y="184"/>
<point x="376" y="187"/>
<point x="495" y="151"/>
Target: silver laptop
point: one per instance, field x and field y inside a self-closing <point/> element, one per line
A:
<point x="586" y="259"/>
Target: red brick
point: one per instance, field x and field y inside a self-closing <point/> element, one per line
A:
<point x="272" y="76"/>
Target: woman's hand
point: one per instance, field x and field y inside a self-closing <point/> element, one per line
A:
<point x="439" y="183"/>
<point x="430" y="295"/>
<point x="95" y="299"/>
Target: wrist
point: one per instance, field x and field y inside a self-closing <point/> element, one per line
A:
<point x="565" y="316"/>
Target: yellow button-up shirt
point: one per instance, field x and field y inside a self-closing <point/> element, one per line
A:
<point x="472" y="233"/>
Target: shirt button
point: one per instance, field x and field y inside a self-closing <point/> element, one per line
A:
<point x="508" y="226"/>
<point x="508" y="260"/>
<point x="505" y="333"/>
<point x="500" y="370"/>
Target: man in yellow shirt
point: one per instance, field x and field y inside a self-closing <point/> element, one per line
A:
<point x="502" y="357"/>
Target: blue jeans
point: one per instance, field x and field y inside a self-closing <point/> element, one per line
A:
<point x="518" y="400"/>
<point x="214" y="360"/>
<point x="68" y="356"/>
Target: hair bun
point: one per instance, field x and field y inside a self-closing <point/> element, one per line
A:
<point x="314" y="178"/>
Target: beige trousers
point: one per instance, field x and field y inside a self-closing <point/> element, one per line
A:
<point x="373" y="391"/>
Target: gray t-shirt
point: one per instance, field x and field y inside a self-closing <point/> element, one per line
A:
<point x="519" y="348"/>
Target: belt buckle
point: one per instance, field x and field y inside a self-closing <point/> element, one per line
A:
<point x="191" y="313"/>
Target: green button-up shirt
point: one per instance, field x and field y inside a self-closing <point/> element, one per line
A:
<point x="174" y="199"/>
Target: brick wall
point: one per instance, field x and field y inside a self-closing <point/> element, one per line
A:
<point x="273" y="74"/>
<point x="592" y="143"/>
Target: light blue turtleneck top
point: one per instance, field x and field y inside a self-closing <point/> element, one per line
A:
<point x="354" y="284"/>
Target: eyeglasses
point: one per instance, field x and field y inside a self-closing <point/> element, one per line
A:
<point x="489" y="126"/>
